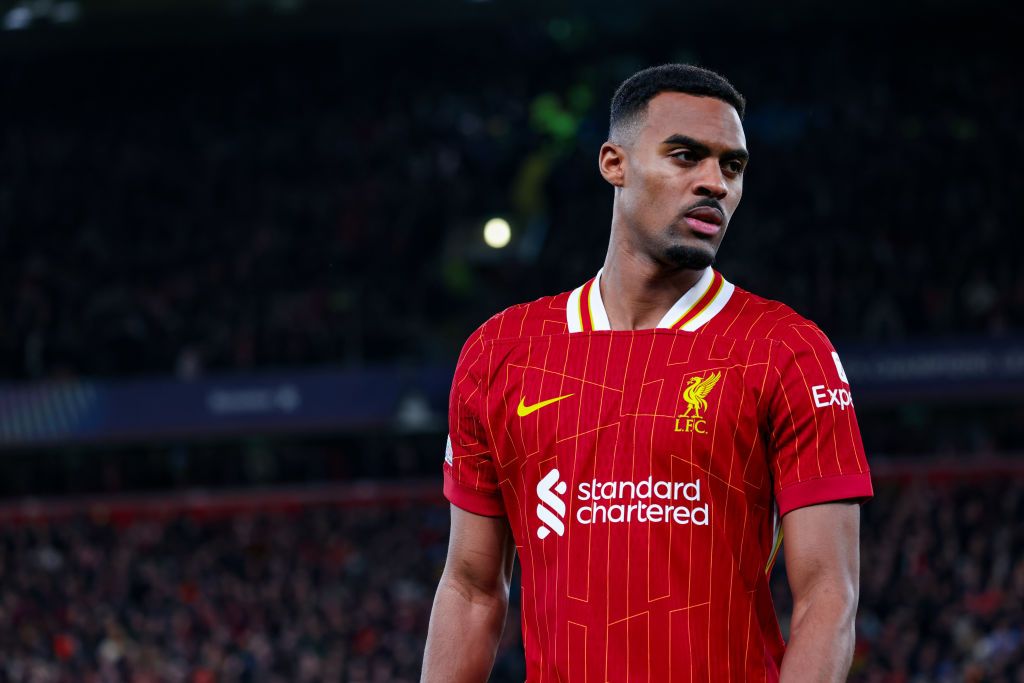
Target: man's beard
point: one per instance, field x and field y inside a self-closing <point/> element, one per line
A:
<point x="690" y="258"/>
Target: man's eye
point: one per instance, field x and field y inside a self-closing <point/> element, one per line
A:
<point x="735" y="166"/>
<point x="684" y="155"/>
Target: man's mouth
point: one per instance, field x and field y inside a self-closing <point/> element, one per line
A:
<point x="705" y="220"/>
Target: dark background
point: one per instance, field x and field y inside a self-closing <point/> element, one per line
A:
<point x="242" y="245"/>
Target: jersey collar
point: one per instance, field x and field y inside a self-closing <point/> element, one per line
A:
<point x="585" y="309"/>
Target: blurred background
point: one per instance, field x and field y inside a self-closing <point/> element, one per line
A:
<point x="243" y="240"/>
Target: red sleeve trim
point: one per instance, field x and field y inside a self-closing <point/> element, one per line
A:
<point x="471" y="500"/>
<point x="825" y="490"/>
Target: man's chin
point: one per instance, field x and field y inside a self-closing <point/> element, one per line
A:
<point x="690" y="257"/>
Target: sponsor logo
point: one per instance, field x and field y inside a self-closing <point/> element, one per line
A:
<point x="621" y="502"/>
<point x="839" y="368"/>
<point x="825" y="397"/>
<point x="642" y="501"/>
<point x="523" y="410"/>
<point x="695" y="396"/>
<point x="448" y="452"/>
<point x="551" y="508"/>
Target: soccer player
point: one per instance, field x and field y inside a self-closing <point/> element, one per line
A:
<point x="645" y="443"/>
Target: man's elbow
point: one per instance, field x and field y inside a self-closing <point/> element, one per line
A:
<point x="832" y="603"/>
<point x="492" y="595"/>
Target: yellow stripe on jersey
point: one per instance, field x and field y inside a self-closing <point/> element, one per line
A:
<point x="590" y="309"/>
<point x="690" y="313"/>
<point x="775" y="552"/>
<point x="714" y="297"/>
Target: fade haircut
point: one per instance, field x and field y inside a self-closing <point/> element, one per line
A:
<point x="629" y="105"/>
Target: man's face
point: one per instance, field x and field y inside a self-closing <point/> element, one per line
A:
<point x="682" y="178"/>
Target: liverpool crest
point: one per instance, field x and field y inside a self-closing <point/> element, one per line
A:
<point x="695" y="395"/>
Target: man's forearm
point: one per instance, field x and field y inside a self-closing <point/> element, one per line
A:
<point x="821" y="640"/>
<point x="465" y="627"/>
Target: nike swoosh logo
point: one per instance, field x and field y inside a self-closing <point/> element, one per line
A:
<point x="523" y="410"/>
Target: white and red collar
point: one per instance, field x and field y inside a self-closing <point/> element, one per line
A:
<point x="585" y="310"/>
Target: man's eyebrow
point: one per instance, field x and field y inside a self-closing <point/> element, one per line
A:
<point x="703" y="149"/>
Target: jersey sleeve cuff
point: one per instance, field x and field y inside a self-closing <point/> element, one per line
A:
<point x="472" y="500"/>
<point x="824" y="490"/>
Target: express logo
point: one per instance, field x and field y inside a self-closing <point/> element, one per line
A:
<point x="550" y="516"/>
<point x="825" y="397"/>
<point x="695" y="396"/>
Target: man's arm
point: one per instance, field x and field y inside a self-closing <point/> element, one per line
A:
<point x="471" y="601"/>
<point x="822" y="550"/>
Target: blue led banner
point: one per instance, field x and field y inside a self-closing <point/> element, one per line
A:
<point x="307" y="401"/>
<point x="954" y="370"/>
<point x="324" y="400"/>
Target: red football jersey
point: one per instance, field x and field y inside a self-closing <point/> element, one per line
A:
<point x="644" y="475"/>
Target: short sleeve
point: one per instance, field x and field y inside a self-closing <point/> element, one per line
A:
<point x="816" y="452"/>
<point x="470" y="479"/>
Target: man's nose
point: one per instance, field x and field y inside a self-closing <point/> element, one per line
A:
<point x="710" y="181"/>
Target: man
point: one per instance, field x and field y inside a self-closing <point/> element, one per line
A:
<point x="645" y="441"/>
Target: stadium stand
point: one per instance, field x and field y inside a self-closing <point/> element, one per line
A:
<point x="185" y="211"/>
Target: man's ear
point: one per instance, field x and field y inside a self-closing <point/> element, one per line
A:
<point x="611" y="161"/>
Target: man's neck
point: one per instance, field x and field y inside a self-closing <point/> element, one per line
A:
<point x="637" y="291"/>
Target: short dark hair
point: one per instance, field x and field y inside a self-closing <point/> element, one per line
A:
<point x="630" y="100"/>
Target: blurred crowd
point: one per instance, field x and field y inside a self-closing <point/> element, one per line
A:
<point x="185" y="209"/>
<point x="323" y="595"/>
<point x="332" y="594"/>
<point x="942" y="583"/>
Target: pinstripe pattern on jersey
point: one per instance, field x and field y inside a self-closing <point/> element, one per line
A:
<point x="649" y="601"/>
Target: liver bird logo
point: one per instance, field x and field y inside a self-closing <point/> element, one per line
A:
<point x="696" y="392"/>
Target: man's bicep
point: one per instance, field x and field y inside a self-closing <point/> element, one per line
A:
<point x="822" y="547"/>
<point x="480" y="552"/>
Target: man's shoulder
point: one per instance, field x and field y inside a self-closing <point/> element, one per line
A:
<point x="540" y="317"/>
<point x="757" y="317"/>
